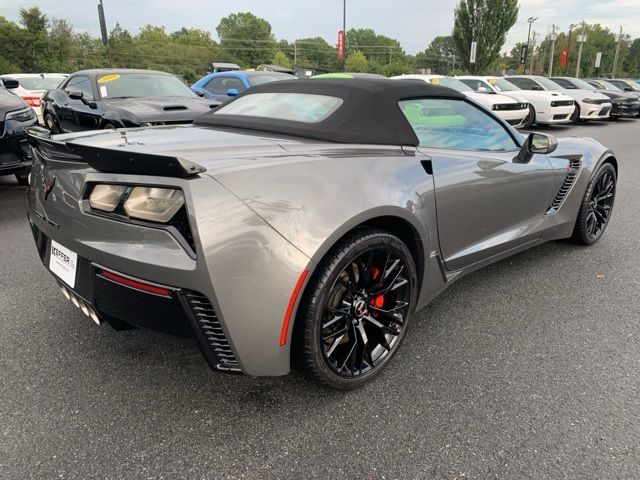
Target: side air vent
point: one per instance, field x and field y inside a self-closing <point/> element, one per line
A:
<point x="207" y="320"/>
<point x="572" y="173"/>
<point x="174" y="108"/>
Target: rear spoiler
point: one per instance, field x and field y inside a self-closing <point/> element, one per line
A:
<point x="109" y="160"/>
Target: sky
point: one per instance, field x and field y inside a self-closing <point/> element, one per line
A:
<point x="413" y="22"/>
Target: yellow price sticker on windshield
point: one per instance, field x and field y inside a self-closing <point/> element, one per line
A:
<point x="108" y="78"/>
<point x="435" y="81"/>
<point x="492" y="81"/>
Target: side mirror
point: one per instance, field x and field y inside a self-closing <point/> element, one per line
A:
<point x="200" y="93"/>
<point x="628" y="89"/>
<point x="483" y="89"/>
<point x="536" y="143"/>
<point x="10" y="83"/>
<point x="232" y="92"/>
<point x="536" y="87"/>
<point x="76" y="95"/>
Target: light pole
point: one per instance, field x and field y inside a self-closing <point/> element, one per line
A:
<point x="553" y="39"/>
<point x="530" y="20"/>
<point x="581" y="39"/>
<point x="571" y="27"/>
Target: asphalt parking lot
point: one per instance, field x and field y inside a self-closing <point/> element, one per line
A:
<point x="526" y="369"/>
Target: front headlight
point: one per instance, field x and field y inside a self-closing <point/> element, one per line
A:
<point x="153" y="203"/>
<point x="591" y="101"/>
<point x="106" y="197"/>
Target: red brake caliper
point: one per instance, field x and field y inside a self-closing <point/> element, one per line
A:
<point x="378" y="301"/>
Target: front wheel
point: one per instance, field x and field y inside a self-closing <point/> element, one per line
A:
<point x="356" y="309"/>
<point x="22" y="178"/>
<point x="575" y="116"/>
<point x="530" y="119"/>
<point x="597" y="205"/>
<point x="51" y="124"/>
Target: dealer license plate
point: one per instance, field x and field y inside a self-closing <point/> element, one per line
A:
<point x="63" y="263"/>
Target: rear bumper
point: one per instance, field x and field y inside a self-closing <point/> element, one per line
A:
<point x="102" y="294"/>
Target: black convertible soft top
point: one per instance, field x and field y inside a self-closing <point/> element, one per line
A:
<point x="369" y="113"/>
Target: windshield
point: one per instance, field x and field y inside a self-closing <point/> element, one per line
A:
<point x="610" y="86"/>
<point x="267" y="78"/>
<point x="125" y="85"/>
<point x="503" y="85"/>
<point x="39" y="83"/>
<point x="548" y="84"/>
<point x="451" y="83"/>
<point x="582" y="84"/>
<point x="294" y="107"/>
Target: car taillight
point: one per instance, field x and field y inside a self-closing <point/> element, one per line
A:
<point x="32" y="101"/>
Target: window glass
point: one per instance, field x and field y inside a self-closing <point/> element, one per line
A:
<point x="548" y="84"/>
<point x="476" y="85"/>
<point x="268" y="78"/>
<point x="40" y="83"/>
<point x="452" y="83"/>
<point x="455" y="124"/>
<point x="564" y="83"/>
<point x="503" y="85"/>
<point x="82" y="84"/>
<point x="221" y="85"/>
<point x="524" y="83"/>
<point x="295" y="107"/>
<point x="127" y="85"/>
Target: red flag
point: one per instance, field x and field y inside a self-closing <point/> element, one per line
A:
<point x="564" y="56"/>
<point x="340" y="46"/>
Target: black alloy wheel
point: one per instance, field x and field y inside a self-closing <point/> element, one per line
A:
<point x="597" y="206"/>
<point x="357" y="309"/>
<point x="50" y="123"/>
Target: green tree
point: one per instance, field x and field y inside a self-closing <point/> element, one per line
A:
<point x="11" y="55"/>
<point x="356" y="62"/>
<point x="316" y="52"/>
<point x="247" y="38"/>
<point x="486" y="22"/>
<point x="632" y="59"/>
<point x="35" y="47"/>
<point x="441" y="55"/>
<point x="377" y="48"/>
<point x="280" y="58"/>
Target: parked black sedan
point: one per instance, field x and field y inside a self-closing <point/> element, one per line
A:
<point x="15" y="115"/>
<point x="623" y="104"/>
<point x="117" y="98"/>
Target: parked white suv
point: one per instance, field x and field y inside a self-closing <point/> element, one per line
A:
<point x="32" y="87"/>
<point x="545" y="108"/>
<point x="513" y="111"/>
<point x="590" y="105"/>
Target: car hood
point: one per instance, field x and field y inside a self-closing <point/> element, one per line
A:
<point x="579" y="94"/>
<point x="489" y="99"/>
<point x="532" y="95"/>
<point x="9" y="102"/>
<point x="160" y="108"/>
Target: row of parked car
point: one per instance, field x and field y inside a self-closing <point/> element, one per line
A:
<point x="120" y="98"/>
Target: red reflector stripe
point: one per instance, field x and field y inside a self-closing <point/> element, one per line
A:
<point x="145" y="287"/>
<point x="292" y="301"/>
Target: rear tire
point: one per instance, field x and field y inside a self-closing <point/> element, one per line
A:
<point x="355" y="310"/>
<point x="597" y="206"/>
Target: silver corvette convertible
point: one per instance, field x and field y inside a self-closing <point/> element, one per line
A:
<point x="303" y="223"/>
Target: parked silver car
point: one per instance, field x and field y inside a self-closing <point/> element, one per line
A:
<point x="303" y="223"/>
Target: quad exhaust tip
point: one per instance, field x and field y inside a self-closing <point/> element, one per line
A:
<point x="86" y="309"/>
